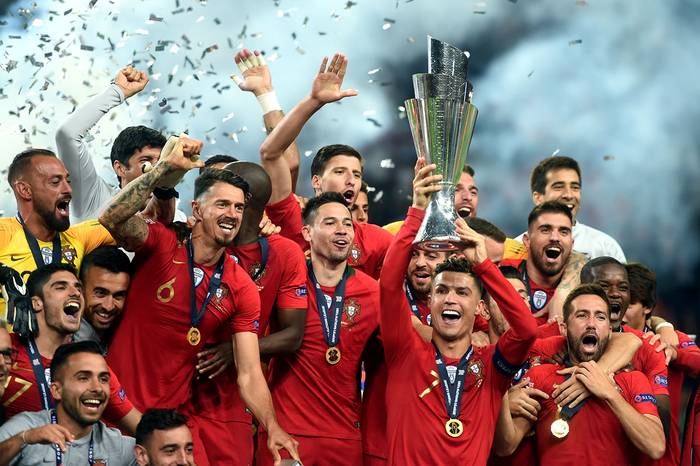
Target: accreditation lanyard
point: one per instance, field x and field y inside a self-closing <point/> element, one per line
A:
<point x="39" y="374"/>
<point x="412" y="300"/>
<point x="264" y="253"/>
<point x="36" y="250"/>
<point x="453" y="388"/>
<point x="330" y="315"/>
<point x="59" y="453"/>
<point x="196" y="315"/>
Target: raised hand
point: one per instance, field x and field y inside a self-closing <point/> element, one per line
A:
<point x="49" y="434"/>
<point x="131" y="81"/>
<point x="256" y="74"/>
<point x="472" y="243"/>
<point x="173" y="154"/>
<point x="424" y="184"/>
<point x="326" y="86"/>
<point x="522" y="402"/>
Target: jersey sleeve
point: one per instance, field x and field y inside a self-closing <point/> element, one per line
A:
<point x="480" y="324"/>
<point x="159" y="237"/>
<point x="118" y="405"/>
<point x="546" y="348"/>
<point x="640" y="392"/>
<point x="395" y="320"/>
<point x="92" y="235"/>
<point x="653" y="365"/>
<point x="513" y="347"/>
<point x="292" y="293"/>
<point x="550" y="329"/>
<point x="688" y="359"/>
<point x="246" y="316"/>
<point x="286" y="214"/>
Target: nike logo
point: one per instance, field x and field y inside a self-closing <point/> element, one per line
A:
<point x="21" y="288"/>
<point x="178" y="262"/>
<point x="15" y="259"/>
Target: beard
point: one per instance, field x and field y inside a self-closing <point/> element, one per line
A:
<point x="550" y="269"/>
<point x="74" y="412"/>
<point x="51" y="220"/>
<point x="575" y="346"/>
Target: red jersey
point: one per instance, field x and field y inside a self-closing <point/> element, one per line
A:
<point x="156" y="319"/>
<point x="540" y="295"/>
<point x="415" y="402"/>
<point x="22" y="392"/>
<point x="368" y="248"/>
<point x="596" y="436"/>
<point x="645" y="360"/>
<point x="690" y="456"/>
<point x="281" y="285"/>
<point x="316" y="399"/>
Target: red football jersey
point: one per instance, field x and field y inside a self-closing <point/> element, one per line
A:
<point x="316" y="399"/>
<point x="368" y="248"/>
<point x="22" y="392"/>
<point x="156" y="320"/>
<point x="540" y="295"/>
<point x="281" y="285"/>
<point x="596" y="436"/>
<point x="415" y="402"/>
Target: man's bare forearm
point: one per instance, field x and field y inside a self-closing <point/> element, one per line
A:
<point x="291" y="154"/>
<point x="288" y="129"/>
<point x="619" y="352"/>
<point x="10" y="448"/>
<point x="644" y="432"/>
<point x="256" y="396"/>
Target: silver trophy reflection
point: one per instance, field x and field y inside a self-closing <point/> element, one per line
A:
<point x="442" y="120"/>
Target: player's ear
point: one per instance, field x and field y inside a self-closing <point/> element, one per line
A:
<point x="23" y="190"/>
<point x="306" y="232"/>
<point x="141" y="455"/>
<point x="482" y="309"/>
<point x="196" y="210"/>
<point x="316" y="183"/>
<point x="55" y="389"/>
<point x="526" y="241"/>
<point x="37" y="304"/>
<point x="537" y="198"/>
<point x="119" y="168"/>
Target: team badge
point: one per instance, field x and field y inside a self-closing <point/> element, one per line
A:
<point x="235" y="258"/>
<point x="539" y="299"/>
<point x="451" y="373"/>
<point x="219" y="293"/>
<point x="355" y="254"/>
<point x="351" y="308"/>
<point x="69" y="254"/>
<point x="476" y="369"/>
<point x="429" y="319"/>
<point x="46" y="254"/>
<point x="198" y="276"/>
<point x="47" y="375"/>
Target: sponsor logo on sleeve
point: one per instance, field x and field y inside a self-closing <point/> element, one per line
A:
<point x="121" y="394"/>
<point x="686" y="344"/>
<point x="645" y="398"/>
<point x="301" y="291"/>
<point x="661" y="380"/>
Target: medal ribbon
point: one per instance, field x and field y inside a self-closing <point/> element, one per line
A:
<point x="453" y="390"/>
<point x="34" y="245"/>
<point x="39" y="374"/>
<point x="196" y="316"/>
<point x="411" y="300"/>
<point x="59" y="453"/>
<point x="330" y="316"/>
<point x="264" y="253"/>
<point x="566" y="412"/>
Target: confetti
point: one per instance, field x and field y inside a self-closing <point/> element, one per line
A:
<point x="163" y="102"/>
<point x="374" y="71"/>
<point x="350" y="4"/>
<point x="387" y="163"/>
<point x="575" y="42"/>
<point x="388" y="22"/>
<point x="307" y="153"/>
<point x="374" y="122"/>
<point x="555" y="153"/>
<point x="530" y="73"/>
<point x="608" y="157"/>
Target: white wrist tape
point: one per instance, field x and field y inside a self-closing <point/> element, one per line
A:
<point x="268" y="102"/>
<point x="662" y="325"/>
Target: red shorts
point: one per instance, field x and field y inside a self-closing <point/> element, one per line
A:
<point x="315" y="451"/>
<point x="371" y="460"/>
<point x="226" y="443"/>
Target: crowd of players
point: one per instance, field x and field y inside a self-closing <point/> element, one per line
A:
<point x="238" y="333"/>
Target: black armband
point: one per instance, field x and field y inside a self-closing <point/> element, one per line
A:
<point x="164" y="194"/>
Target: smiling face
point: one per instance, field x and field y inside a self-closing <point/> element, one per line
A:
<point x="105" y="294"/>
<point x="51" y="192"/>
<point x="330" y="232"/>
<point x="81" y="386"/>
<point x="61" y="306"/>
<point x="587" y="328"/>
<point x="563" y="185"/>
<point x="219" y="212"/>
<point x="453" y="304"/>
<point x="549" y="242"/>
<point x="341" y="174"/>
<point x="613" y="279"/>
<point x="421" y="269"/>
<point x="167" y="447"/>
<point x="466" y="196"/>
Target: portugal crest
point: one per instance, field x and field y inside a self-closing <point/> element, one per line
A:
<point x="351" y="309"/>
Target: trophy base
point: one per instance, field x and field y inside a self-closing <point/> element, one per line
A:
<point x="439" y="245"/>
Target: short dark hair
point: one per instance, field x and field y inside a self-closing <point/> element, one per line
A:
<point x="158" y="419"/>
<point x="22" y="161"/>
<point x="218" y="158"/>
<point x="585" y="289"/>
<point x="314" y="203"/>
<point x="642" y="284"/>
<point x="132" y="139"/>
<point x="549" y="207"/>
<point x="364" y="188"/>
<point x="325" y="153"/>
<point x="511" y="272"/>
<point x="63" y="352"/>
<point x="110" y="258"/>
<point x="586" y="273"/>
<point x="486" y="228"/>
<point x="459" y="265"/>
<point x="38" y="278"/>
<point x="211" y="176"/>
<point x="538" y="179"/>
<point x="468" y="170"/>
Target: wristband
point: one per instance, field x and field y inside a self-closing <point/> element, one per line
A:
<point x="662" y="325"/>
<point x="268" y="102"/>
<point x="24" y="441"/>
<point x="165" y="193"/>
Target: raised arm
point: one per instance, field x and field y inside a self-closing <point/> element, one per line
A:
<point x="325" y="89"/>
<point x="90" y="191"/>
<point x="257" y="79"/>
<point x="120" y="219"/>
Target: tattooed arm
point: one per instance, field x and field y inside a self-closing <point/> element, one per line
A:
<point x="120" y="219"/>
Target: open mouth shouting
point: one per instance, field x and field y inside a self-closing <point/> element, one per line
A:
<point x="615" y="310"/>
<point x="349" y="196"/>
<point x="589" y="343"/>
<point x="464" y="212"/>
<point x="72" y="310"/>
<point x="450" y="316"/>
<point x="552" y="253"/>
<point x="63" y="206"/>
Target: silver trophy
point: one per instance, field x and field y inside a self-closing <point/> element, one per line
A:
<point x="442" y="120"/>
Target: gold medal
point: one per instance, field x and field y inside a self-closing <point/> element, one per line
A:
<point x="454" y="428"/>
<point x="333" y="355"/>
<point x="194" y="336"/>
<point x="559" y="428"/>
